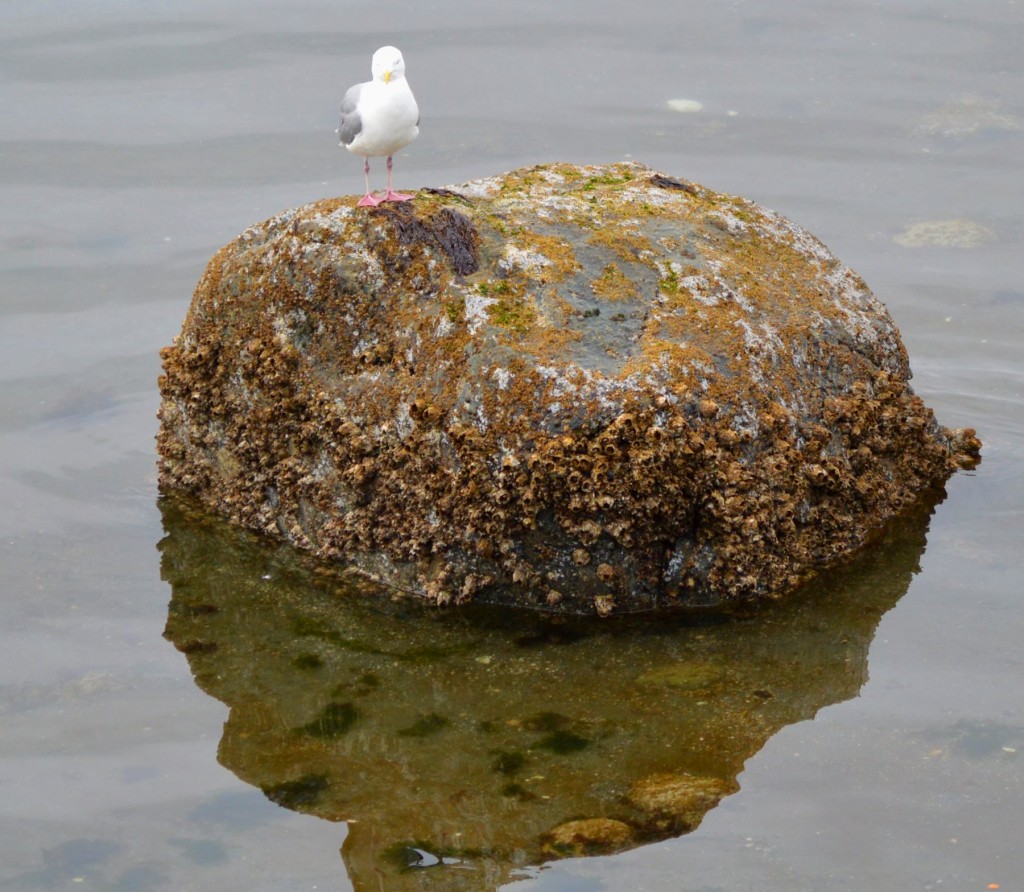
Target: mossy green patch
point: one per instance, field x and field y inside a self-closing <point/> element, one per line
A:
<point x="607" y="179"/>
<point x="455" y="309"/>
<point x="515" y="314"/>
<point x="669" y="283"/>
<point x="500" y="287"/>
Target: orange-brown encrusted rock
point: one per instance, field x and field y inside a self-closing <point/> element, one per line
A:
<point x="572" y="388"/>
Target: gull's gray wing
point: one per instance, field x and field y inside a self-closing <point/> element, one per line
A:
<point x="350" y="124"/>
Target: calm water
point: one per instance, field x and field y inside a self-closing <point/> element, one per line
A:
<point x="138" y="138"/>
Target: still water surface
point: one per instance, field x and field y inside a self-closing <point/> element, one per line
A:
<point x="137" y="138"/>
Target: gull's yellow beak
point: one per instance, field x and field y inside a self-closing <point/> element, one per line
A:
<point x="387" y="76"/>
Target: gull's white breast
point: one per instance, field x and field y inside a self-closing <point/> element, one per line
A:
<point x="388" y="113"/>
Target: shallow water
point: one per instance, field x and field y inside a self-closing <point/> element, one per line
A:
<point x="139" y="138"/>
<point x="474" y="734"/>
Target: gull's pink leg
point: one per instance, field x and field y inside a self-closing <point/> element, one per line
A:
<point x="368" y="199"/>
<point x="391" y="195"/>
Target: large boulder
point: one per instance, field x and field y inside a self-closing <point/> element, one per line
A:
<point x="573" y="388"/>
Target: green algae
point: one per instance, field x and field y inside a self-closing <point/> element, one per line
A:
<point x="669" y="283"/>
<point x="512" y="313"/>
<point x="494" y="288"/>
<point x="609" y="179"/>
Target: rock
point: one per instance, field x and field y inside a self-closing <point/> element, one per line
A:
<point x="677" y="803"/>
<point x="582" y="389"/>
<point x="587" y="836"/>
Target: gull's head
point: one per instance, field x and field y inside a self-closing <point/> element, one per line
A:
<point x="387" y="65"/>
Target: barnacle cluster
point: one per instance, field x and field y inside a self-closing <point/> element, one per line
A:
<point x="583" y="389"/>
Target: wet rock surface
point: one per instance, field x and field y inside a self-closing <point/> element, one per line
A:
<point x="581" y="389"/>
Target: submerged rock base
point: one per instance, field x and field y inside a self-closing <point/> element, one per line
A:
<point x="571" y="388"/>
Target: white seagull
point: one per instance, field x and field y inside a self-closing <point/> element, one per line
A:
<point x="380" y="117"/>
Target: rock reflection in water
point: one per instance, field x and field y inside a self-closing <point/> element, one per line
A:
<point x="474" y="742"/>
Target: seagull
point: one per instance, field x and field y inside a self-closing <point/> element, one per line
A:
<point x="380" y="117"/>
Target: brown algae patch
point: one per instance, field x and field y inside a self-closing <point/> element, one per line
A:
<point x="625" y="241"/>
<point x="613" y="284"/>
